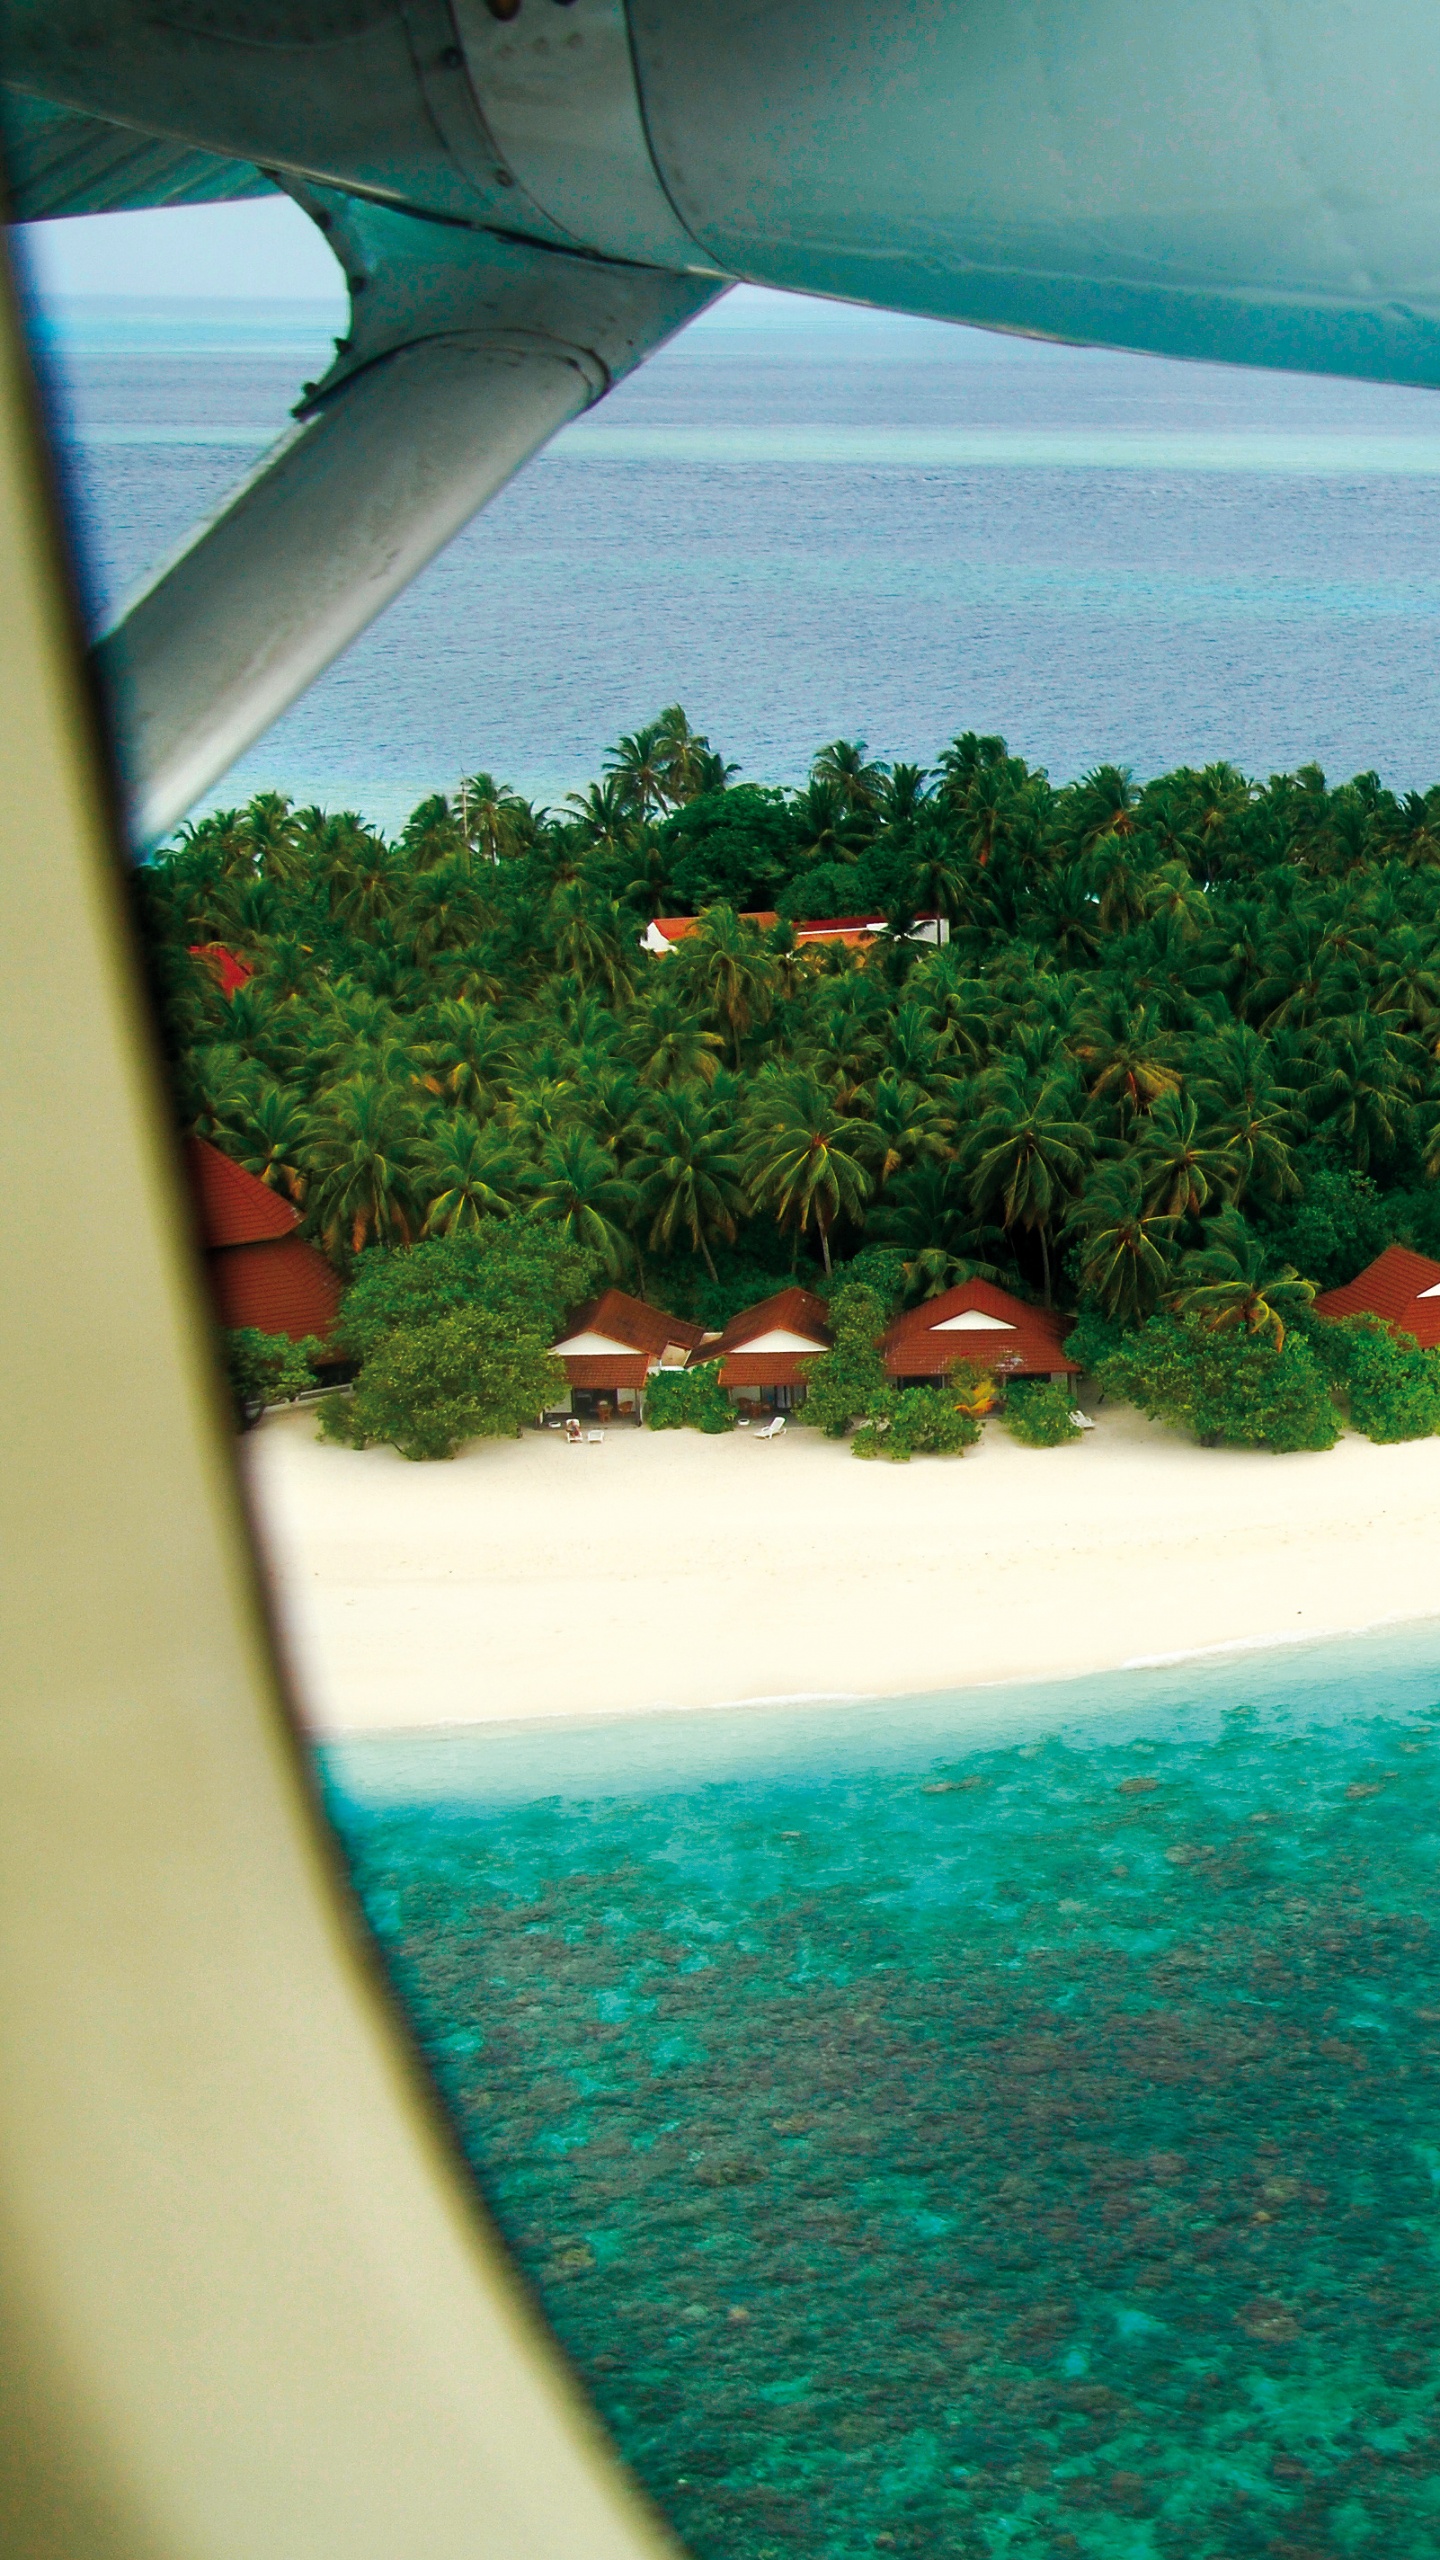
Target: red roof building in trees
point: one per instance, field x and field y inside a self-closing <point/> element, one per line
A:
<point x="980" y="1322"/>
<point x="859" y="932"/>
<point x="771" y="1344"/>
<point x="1401" y="1287"/>
<point x="229" y="971"/>
<point x="261" y="1272"/>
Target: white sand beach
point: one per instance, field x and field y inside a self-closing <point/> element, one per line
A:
<point x="529" y="1578"/>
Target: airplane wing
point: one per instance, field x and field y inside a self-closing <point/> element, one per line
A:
<point x="555" y="185"/>
<point x="59" y="162"/>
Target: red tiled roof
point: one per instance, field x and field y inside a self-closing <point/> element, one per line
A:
<point x="789" y="1311"/>
<point x="281" y="1285"/>
<point x="632" y="1322"/>
<point x="675" y="928"/>
<point x="1391" y="1287"/>
<point x="768" y="1368"/>
<point x="235" y="1206"/>
<point x="592" y="1369"/>
<point x="1030" y="1346"/>
<point x="227" y="968"/>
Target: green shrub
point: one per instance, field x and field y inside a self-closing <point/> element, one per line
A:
<point x="268" y="1368"/>
<point x="1092" y="1339"/>
<point x="677" y="1398"/>
<point x="1038" y="1414"/>
<point x="920" y="1422"/>
<point x="880" y="1267"/>
<point x="1228" y="1387"/>
<point x="849" y="1384"/>
<point x="429" y="1387"/>
<point x="1391" y="1386"/>
<point x="513" y="1268"/>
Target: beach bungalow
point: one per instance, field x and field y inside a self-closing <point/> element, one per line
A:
<point x="765" y="1354"/>
<point x="608" y="1350"/>
<point x="1401" y="1287"/>
<point x="978" y="1321"/>
<point x="261" y="1272"/>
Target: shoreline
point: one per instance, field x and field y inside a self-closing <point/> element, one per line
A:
<point x="527" y="1582"/>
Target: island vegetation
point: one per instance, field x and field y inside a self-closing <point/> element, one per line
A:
<point x="1175" y="1067"/>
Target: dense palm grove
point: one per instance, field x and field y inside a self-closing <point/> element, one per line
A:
<point x="1181" y="1035"/>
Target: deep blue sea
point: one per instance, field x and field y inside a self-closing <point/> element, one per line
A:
<point x="804" y="523"/>
<point x="1004" y="2124"/>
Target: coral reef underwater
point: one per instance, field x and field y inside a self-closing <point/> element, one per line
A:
<point x="1032" y="2151"/>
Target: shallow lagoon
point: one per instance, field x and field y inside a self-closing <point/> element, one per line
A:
<point x="997" y="2124"/>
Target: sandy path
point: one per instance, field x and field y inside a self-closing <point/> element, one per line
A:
<point x="531" y="1579"/>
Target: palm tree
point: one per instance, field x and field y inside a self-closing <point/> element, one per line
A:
<point x="604" y="820"/>
<point x="1069" y="916"/>
<point x="277" y="835"/>
<point x="576" y="1187"/>
<point x="829" y="828"/>
<point x="1409" y="984"/>
<point x="1364" y="1081"/>
<point x="916" y="1048"/>
<point x="469" y="1054"/>
<point x="1027" y="1159"/>
<point x="1246" y="1108"/>
<point x="844" y="767"/>
<point x="799" y="1154"/>
<point x="675" y="1048"/>
<point x="1125" y="1247"/>
<point x="266" y="1131"/>
<point x="588" y="937"/>
<point x="1181" y="1166"/>
<point x="688" y="1172"/>
<point x="726" y="966"/>
<point x="469" y="1178"/>
<point x="928" y="1210"/>
<point x="368" y="876"/>
<point x="937" y="883"/>
<point x="1129" y="1060"/>
<point x="540" y="1109"/>
<point x="1101" y="804"/>
<point x="443" y="908"/>
<point x="1233" y="1280"/>
<point x="494" y="820"/>
<point x="901" y="1124"/>
<point x="903" y="795"/>
<point x="639" y="767"/>
<point x="687" y="764"/>
<point x="964" y="761"/>
<point x="360" y="1160"/>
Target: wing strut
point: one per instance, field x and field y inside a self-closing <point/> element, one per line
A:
<point x="467" y="352"/>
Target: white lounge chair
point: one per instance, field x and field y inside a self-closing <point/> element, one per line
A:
<point x="1081" y="1420"/>
<point x="596" y="1439"/>
<point x="771" y="1430"/>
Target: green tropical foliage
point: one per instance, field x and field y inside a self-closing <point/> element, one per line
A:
<point x="1389" y="1386"/>
<point x="676" y="1398"/>
<point x="1243" y="1391"/>
<point x="1178" y="1061"/>
<point x="919" y="1422"/>
<point x="268" y="1368"/>
<point x="850" y="1383"/>
<point x="428" y="1389"/>
<point x="1039" y="1414"/>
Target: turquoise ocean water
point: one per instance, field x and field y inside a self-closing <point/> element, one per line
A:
<point x="804" y="523"/>
<point x="998" y="2124"/>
